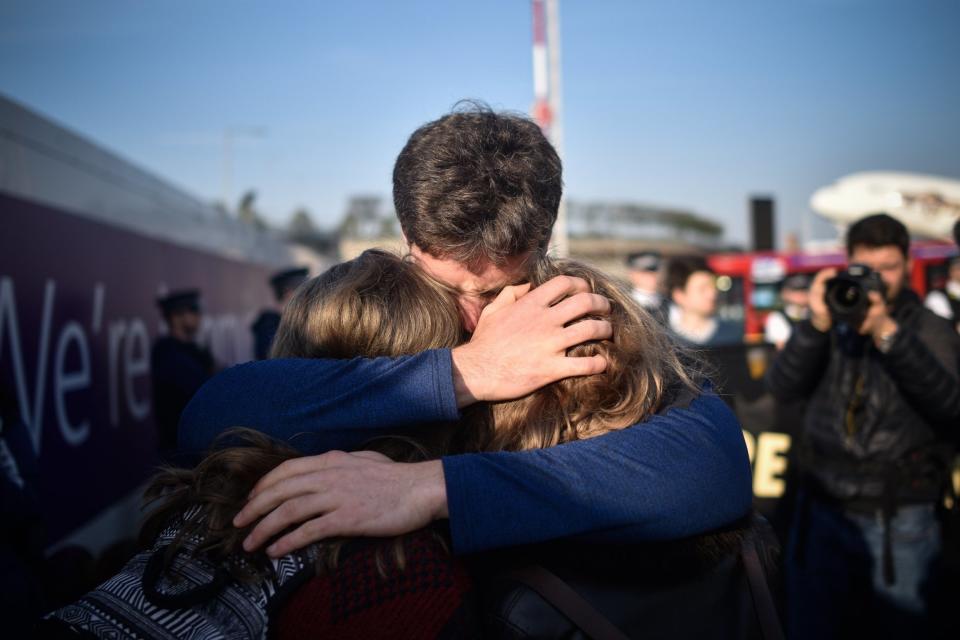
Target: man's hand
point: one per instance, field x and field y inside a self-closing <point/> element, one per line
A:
<point x="522" y="337"/>
<point x="877" y="322"/>
<point x="819" y="313"/>
<point x="342" y="494"/>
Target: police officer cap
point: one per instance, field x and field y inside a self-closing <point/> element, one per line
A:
<point x="644" y="261"/>
<point x="183" y="300"/>
<point x="797" y="282"/>
<point x="288" y="279"/>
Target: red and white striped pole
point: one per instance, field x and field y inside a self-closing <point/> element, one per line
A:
<point x="546" y="94"/>
<point x="542" y="112"/>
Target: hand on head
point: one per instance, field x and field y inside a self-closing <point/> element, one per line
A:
<point x="342" y="494"/>
<point x="521" y="340"/>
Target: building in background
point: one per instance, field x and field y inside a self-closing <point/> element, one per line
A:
<point x="88" y="242"/>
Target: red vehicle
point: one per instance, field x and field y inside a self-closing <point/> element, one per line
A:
<point x="749" y="282"/>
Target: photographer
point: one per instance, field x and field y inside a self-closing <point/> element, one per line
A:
<point x="881" y="375"/>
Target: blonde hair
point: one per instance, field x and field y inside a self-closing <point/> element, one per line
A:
<point x="377" y="304"/>
<point x="645" y="367"/>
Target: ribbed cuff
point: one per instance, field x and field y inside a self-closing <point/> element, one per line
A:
<point x="446" y="397"/>
<point x="461" y="529"/>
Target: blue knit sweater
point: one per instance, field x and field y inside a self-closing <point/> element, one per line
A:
<point x="679" y="473"/>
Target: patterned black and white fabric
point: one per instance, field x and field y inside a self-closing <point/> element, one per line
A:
<point x="190" y="598"/>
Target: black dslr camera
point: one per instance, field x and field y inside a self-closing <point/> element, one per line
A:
<point x="846" y="294"/>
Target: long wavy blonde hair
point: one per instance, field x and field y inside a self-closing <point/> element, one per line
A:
<point x="645" y="367"/>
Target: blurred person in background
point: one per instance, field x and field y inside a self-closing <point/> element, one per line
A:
<point x="178" y="365"/>
<point x="283" y="283"/>
<point x="22" y="534"/>
<point x="643" y="270"/>
<point x="693" y="315"/>
<point x="946" y="302"/>
<point x="881" y="375"/>
<point x="795" y="298"/>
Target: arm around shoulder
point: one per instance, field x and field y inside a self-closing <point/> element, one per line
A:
<point x="679" y="473"/>
<point x="799" y="365"/>
<point x="341" y="403"/>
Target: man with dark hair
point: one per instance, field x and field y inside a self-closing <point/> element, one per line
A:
<point x="879" y="231"/>
<point x="884" y="406"/>
<point x="693" y="315"/>
<point x="264" y="328"/>
<point x="178" y="365"/>
<point x="477" y="193"/>
<point x="795" y="307"/>
<point x="643" y="270"/>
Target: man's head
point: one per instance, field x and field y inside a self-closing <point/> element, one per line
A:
<point x="882" y="243"/>
<point x="181" y="312"/>
<point x="285" y="282"/>
<point x="477" y="193"/>
<point x="643" y="269"/>
<point x="692" y="286"/>
<point x="795" y="290"/>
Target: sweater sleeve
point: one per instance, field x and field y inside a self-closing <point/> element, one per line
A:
<point x="677" y="474"/>
<point x="928" y="380"/>
<point x="797" y="369"/>
<point x="319" y="405"/>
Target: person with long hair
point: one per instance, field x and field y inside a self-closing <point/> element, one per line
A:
<point x="376" y="305"/>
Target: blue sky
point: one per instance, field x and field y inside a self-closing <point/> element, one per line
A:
<point x="681" y="103"/>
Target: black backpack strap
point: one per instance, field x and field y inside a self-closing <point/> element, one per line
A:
<point x="195" y="595"/>
<point x="770" y="628"/>
<point x="568" y="602"/>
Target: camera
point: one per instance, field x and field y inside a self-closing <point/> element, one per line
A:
<point x="847" y="294"/>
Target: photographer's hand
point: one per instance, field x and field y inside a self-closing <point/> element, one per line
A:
<point x="819" y="313"/>
<point x="878" y="322"/>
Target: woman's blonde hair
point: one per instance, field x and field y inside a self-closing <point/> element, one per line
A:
<point x="377" y="304"/>
<point x="645" y="367"/>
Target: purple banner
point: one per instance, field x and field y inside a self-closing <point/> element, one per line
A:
<point x="77" y="320"/>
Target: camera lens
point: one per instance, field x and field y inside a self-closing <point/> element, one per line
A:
<point x="846" y="296"/>
<point x="849" y="296"/>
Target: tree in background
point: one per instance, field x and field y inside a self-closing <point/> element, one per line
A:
<point x="302" y="230"/>
<point x="247" y="212"/>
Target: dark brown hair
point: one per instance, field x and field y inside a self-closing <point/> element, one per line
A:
<point x="679" y="270"/>
<point x="878" y="230"/>
<point x="477" y="185"/>
<point x="218" y="486"/>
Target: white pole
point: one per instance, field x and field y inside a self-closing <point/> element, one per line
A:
<point x="560" y="242"/>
